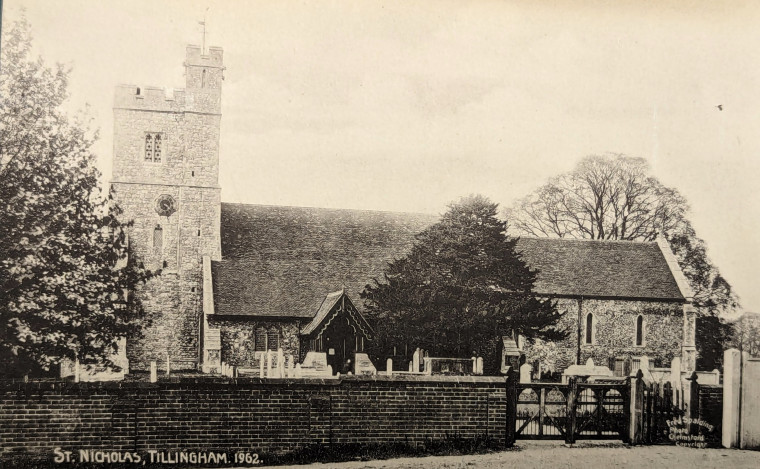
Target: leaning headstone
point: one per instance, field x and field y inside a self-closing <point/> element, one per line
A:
<point x="525" y="370"/>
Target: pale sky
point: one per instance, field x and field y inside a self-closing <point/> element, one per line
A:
<point x="406" y="106"/>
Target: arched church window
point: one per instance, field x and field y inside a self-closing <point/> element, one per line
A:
<point x="260" y="340"/>
<point x="589" y="328"/>
<point x="640" y="330"/>
<point x="148" y="147"/>
<point x="158" y="239"/>
<point x="273" y="339"/>
<point x="157" y="149"/>
<point x="153" y="146"/>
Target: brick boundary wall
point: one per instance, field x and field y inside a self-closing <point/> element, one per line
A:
<point x="250" y="414"/>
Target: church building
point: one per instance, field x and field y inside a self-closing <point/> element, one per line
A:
<point x="237" y="279"/>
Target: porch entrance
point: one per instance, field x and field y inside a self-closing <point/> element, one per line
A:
<point x="569" y="412"/>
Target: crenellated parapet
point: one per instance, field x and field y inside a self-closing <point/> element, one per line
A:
<point x="149" y="98"/>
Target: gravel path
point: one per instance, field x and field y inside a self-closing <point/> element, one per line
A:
<point x="554" y="454"/>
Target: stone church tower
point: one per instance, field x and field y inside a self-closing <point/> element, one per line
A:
<point x="166" y="179"/>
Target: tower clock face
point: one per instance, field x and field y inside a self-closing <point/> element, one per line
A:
<point x="166" y="205"/>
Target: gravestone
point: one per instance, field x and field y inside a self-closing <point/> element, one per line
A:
<point x="315" y="364"/>
<point x="280" y="363"/>
<point x="525" y="370"/>
<point x="589" y="370"/>
<point x="363" y="365"/>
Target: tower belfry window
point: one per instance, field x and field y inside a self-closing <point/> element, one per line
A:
<point x="153" y="147"/>
<point x="149" y="147"/>
<point x="203" y="78"/>
<point x="157" y="148"/>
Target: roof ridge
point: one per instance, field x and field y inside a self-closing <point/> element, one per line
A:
<point x="587" y="240"/>
<point x="360" y="210"/>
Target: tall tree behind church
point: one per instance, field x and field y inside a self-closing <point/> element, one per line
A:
<point x="616" y="197"/>
<point x="460" y="290"/>
<point x="64" y="269"/>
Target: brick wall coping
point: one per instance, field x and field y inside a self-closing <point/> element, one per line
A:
<point x="222" y="382"/>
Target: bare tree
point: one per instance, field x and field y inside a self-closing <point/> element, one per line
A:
<point x="602" y="198"/>
<point x="747" y="334"/>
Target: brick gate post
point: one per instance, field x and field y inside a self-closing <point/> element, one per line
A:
<point x="511" y="410"/>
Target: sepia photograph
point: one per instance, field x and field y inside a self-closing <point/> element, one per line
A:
<point x="376" y="234"/>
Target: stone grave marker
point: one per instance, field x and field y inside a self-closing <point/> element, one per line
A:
<point x="363" y="365"/>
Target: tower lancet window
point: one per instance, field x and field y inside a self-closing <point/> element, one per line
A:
<point x="158" y="239"/>
<point x="203" y="78"/>
<point x="153" y="146"/>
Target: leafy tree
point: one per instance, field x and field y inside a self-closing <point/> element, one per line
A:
<point x="460" y="289"/>
<point x="65" y="276"/>
<point x="615" y="197"/>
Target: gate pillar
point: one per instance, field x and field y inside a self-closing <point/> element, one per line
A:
<point x="572" y="399"/>
<point x="636" y="427"/>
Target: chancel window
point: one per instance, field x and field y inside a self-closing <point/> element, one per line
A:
<point x="640" y="330"/>
<point x="153" y="147"/>
<point x="589" y="328"/>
